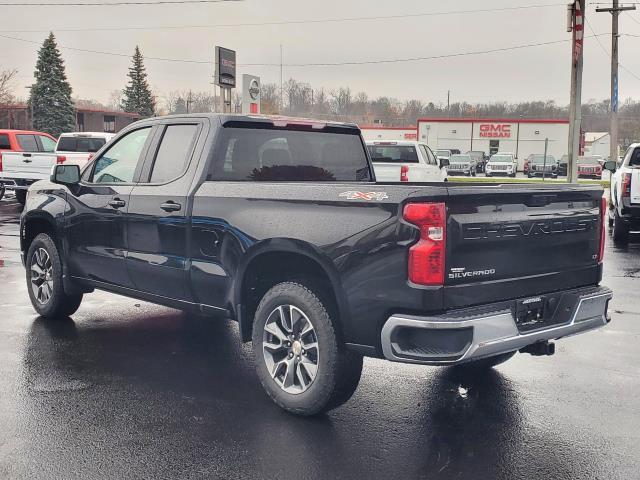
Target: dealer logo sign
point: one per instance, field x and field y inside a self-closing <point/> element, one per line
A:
<point x="493" y="130"/>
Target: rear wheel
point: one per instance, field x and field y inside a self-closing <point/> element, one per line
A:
<point x="44" y="280"/>
<point x="620" y="229"/>
<point x="21" y="196"/>
<point x="2" y="190"/>
<point x="300" y="361"/>
<point x="486" y="363"/>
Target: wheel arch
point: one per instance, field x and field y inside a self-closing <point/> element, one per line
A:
<point x="279" y="260"/>
<point x="35" y="223"/>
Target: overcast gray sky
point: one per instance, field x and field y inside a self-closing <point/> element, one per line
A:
<point x="533" y="73"/>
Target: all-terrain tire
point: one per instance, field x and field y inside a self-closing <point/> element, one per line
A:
<point x="21" y="196"/>
<point x="620" y="230"/>
<point x="338" y="369"/>
<point x="51" y="301"/>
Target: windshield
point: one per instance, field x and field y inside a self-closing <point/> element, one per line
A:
<point x="443" y="153"/>
<point x="460" y="159"/>
<point x="476" y="154"/>
<point x="588" y="160"/>
<point x="540" y="159"/>
<point x="393" y="153"/>
<point x="501" y="158"/>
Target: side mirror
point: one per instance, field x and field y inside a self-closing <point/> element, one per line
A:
<point x="65" y="174"/>
<point x="610" y="165"/>
<point x="444" y="162"/>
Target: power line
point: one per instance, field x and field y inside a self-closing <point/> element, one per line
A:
<point x="112" y="4"/>
<point x="608" y="54"/>
<point x="292" y="22"/>
<point x="317" y="64"/>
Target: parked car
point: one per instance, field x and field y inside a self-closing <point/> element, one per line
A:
<point x="455" y="151"/>
<point x="406" y="161"/>
<point x="79" y="147"/>
<point x="277" y="223"/>
<point x="480" y="159"/>
<point x="563" y="165"/>
<point x="541" y="166"/>
<point x="525" y="166"/>
<point x="502" y="164"/>
<point x="26" y="145"/>
<point x="443" y="153"/>
<point x="624" y="207"/>
<point x="461" y="165"/>
<point x="589" y="167"/>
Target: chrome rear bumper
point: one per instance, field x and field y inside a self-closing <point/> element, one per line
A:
<point x="462" y="336"/>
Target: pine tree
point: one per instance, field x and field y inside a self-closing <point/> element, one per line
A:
<point x="137" y="96"/>
<point x="50" y="98"/>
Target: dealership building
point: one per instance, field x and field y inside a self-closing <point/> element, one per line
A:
<point x="491" y="135"/>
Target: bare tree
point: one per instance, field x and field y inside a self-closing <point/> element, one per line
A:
<point x="7" y="78"/>
<point x="115" y="100"/>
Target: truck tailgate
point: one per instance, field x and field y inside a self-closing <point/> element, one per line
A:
<point x="635" y="185"/>
<point x="520" y="240"/>
<point x="27" y="165"/>
<point x="387" y="172"/>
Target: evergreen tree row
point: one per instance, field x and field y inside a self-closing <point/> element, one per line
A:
<point x="50" y="99"/>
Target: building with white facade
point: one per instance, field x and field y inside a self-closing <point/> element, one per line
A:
<point x="371" y="132"/>
<point x="522" y="137"/>
<point x="597" y="143"/>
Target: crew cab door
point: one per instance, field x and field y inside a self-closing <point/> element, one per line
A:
<point x="157" y="218"/>
<point x="95" y="223"/>
<point x="432" y="167"/>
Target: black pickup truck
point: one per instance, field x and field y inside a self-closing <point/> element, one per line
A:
<point x="280" y="225"/>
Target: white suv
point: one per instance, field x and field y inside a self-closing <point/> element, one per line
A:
<point x="501" y="164"/>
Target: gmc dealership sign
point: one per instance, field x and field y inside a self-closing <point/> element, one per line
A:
<point x="495" y="130"/>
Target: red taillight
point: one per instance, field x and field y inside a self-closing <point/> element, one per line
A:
<point x="404" y="173"/>
<point x="91" y="155"/>
<point x="599" y="171"/>
<point x="0" y="161"/>
<point x="427" y="257"/>
<point x="626" y="185"/>
<point x="604" y="209"/>
<point x="61" y="159"/>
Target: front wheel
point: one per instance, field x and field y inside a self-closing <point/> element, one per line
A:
<point x="44" y="280"/>
<point x="2" y="190"/>
<point x="300" y="361"/>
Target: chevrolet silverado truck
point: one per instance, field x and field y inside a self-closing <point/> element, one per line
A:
<point x="280" y="225"/>
<point x="20" y="148"/>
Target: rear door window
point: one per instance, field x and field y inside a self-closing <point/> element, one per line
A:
<point x="174" y="153"/>
<point x="393" y="153"/>
<point x="27" y="143"/>
<point x="47" y="145"/>
<point x="428" y="154"/>
<point x="5" y="144"/>
<point x="265" y="154"/>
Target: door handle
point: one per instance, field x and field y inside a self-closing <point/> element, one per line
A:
<point x="171" y="206"/>
<point x="116" y="203"/>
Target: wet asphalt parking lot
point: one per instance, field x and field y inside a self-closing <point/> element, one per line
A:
<point x="131" y="390"/>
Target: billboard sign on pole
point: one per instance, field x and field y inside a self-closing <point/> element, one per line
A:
<point x="225" y="74"/>
<point x="250" y="94"/>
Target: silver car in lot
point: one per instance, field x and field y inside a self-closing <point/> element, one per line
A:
<point x="462" y="165"/>
<point x="502" y="164"/>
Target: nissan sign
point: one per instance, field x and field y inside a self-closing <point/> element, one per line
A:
<point x="250" y="94"/>
<point x="493" y="130"/>
<point x="225" y="75"/>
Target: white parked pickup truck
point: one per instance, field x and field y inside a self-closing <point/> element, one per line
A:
<point x="406" y="161"/>
<point x="624" y="205"/>
<point x="79" y="147"/>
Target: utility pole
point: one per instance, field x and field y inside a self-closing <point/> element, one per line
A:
<point x="614" y="10"/>
<point x="281" y="84"/>
<point x="448" y="103"/>
<point x="576" y="13"/>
